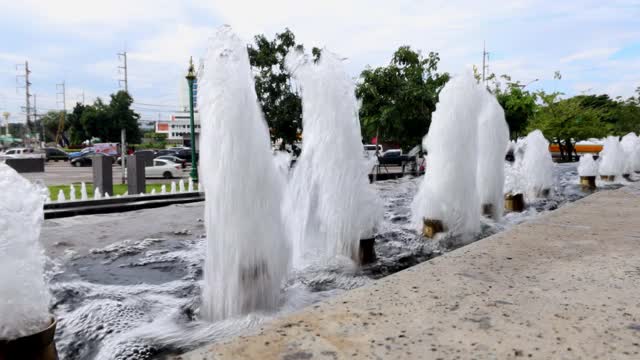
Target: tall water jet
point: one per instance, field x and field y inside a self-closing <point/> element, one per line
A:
<point x="536" y="166"/>
<point x="181" y="186"/>
<point x="631" y="146"/>
<point x="493" y="141"/>
<point x="24" y="299"/>
<point x="83" y="191"/>
<point x="247" y="254"/>
<point x="611" y="159"/>
<point x="61" y="196"/>
<point x="97" y="195"/>
<point x="163" y="189"/>
<point x="588" y="170"/>
<point x="173" y="187"/>
<point x="191" y="185"/>
<point x="72" y="193"/>
<point x="448" y="193"/>
<point x="329" y="202"/>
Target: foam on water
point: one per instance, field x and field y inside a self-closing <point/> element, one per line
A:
<point x="536" y="165"/>
<point x="247" y="254"/>
<point x="587" y="166"/>
<point x="612" y="157"/>
<point x="449" y="190"/>
<point x="493" y="141"/>
<point x="24" y="298"/>
<point x="329" y="203"/>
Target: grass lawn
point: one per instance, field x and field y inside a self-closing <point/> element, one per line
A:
<point x="118" y="189"/>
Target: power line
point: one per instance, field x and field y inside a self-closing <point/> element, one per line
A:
<point x="485" y="62"/>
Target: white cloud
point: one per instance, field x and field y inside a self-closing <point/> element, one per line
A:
<point x="590" y="54"/>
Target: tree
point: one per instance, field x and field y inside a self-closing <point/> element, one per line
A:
<point x="567" y="121"/>
<point x="51" y="122"/>
<point x="105" y="121"/>
<point x="282" y="106"/>
<point x="123" y="117"/>
<point x="77" y="133"/>
<point x="398" y="99"/>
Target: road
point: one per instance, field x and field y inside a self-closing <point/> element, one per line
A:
<point x="62" y="173"/>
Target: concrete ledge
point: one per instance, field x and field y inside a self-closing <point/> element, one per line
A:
<point x="564" y="286"/>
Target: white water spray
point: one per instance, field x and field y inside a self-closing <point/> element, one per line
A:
<point x="449" y="190"/>
<point x="329" y="202"/>
<point x="97" y="194"/>
<point x="631" y="145"/>
<point x="493" y="141"/>
<point x="163" y="189"/>
<point x="181" y="186"/>
<point x="537" y="165"/>
<point x="173" y="187"/>
<point x="61" y="196"/>
<point x="24" y="295"/>
<point x="191" y="185"/>
<point x="83" y="191"/>
<point x="247" y="255"/>
<point x="72" y="193"/>
<point x="587" y="166"/>
<point x="153" y="191"/>
<point x="612" y="157"/>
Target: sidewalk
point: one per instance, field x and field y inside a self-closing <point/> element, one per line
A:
<point x="565" y="286"/>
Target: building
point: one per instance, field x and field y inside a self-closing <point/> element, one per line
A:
<point x="178" y="129"/>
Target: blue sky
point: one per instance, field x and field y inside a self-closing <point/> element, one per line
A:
<point x="594" y="44"/>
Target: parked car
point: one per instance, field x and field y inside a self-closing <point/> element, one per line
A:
<point x="174" y="159"/>
<point x="17" y="153"/>
<point x="393" y="157"/>
<point x="185" y="154"/>
<point x="371" y="150"/>
<point x="86" y="159"/>
<point x="164" y="152"/>
<point x="163" y="169"/>
<point x="55" y="154"/>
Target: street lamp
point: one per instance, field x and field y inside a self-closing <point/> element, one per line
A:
<point x="191" y="76"/>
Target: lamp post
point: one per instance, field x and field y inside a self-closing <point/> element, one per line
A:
<point x="191" y="76"/>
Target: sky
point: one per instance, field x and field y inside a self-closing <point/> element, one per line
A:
<point x="594" y="44"/>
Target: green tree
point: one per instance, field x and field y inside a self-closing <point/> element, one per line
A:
<point x="398" y="99"/>
<point x="566" y="121"/>
<point x="104" y="121"/>
<point x="123" y="117"/>
<point x="77" y="133"/>
<point x="96" y="121"/>
<point x="51" y="122"/>
<point x="282" y="106"/>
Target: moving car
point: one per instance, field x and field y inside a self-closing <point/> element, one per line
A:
<point x="393" y="157"/>
<point x="55" y="154"/>
<point x="174" y="159"/>
<point x="82" y="152"/>
<point x="86" y="159"/>
<point x="18" y="153"/>
<point x="163" y="169"/>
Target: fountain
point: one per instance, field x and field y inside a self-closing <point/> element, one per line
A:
<point x="329" y="202"/>
<point x="631" y="146"/>
<point x="26" y="327"/>
<point x="173" y="187"/>
<point x="72" y="193"/>
<point x="153" y="191"/>
<point x="83" y="192"/>
<point x="181" y="186"/>
<point x="448" y="193"/>
<point x="163" y="189"/>
<point x="246" y="260"/>
<point x="493" y="142"/>
<point x="588" y="170"/>
<point x="97" y="195"/>
<point x="612" y="162"/>
<point x="536" y="167"/>
<point x="191" y="185"/>
<point x="61" y="196"/>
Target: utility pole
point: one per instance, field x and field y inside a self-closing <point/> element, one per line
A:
<point x="61" y="91"/>
<point x="35" y="118"/>
<point x="27" y="92"/>
<point x="123" y="57"/>
<point x="485" y="63"/>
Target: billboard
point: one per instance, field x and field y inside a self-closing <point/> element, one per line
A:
<point x="106" y="148"/>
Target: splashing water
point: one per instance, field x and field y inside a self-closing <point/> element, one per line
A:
<point x="329" y="202"/>
<point x="153" y="191"/>
<point x="631" y="145"/>
<point x="536" y="165"/>
<point x="247" y="255"/>
<point x="449" y="191"/>
<point x="493" y="141"/>
<point x="72" y="193"/>
<point x="61" y="196"/>
<point x="25" y="297"/>
<point x="97" y="194"/>
<point x="587" y="166"/>
<point x="191" y="185"/>
<point x="181" y="186"/>
<point x="612" y="162"/>
<point x="163" y="189"/>
<point x="173" y="187"/>
<point x="83" y="192"/>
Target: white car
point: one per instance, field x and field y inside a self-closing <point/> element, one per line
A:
<point x="163" y="169"/>
<point x="20" y="153"/>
